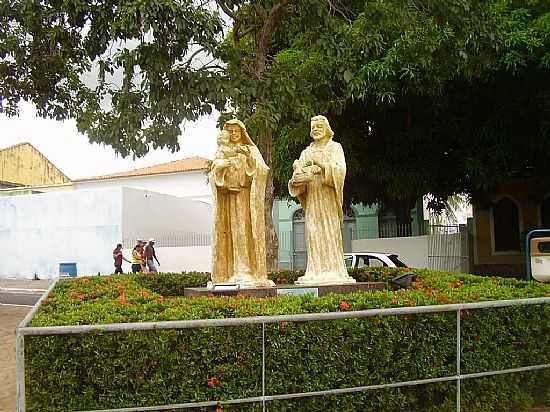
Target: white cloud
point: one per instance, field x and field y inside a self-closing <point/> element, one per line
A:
<point x="72" y="153"/>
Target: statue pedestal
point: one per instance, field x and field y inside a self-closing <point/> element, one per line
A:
<point x="279" y="290"/>
<point x="250" y="282"/>
<point x="325" y="279"/>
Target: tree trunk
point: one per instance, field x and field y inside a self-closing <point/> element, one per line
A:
<point x="272" y="243"/>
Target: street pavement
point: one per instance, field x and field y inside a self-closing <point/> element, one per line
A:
<point x="19" y="298"/>
<point x="21" y="292"/>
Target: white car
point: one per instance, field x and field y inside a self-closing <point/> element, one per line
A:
<point x="373" y="260"/>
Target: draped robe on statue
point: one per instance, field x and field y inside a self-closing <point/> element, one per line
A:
<point x="238" y="245"/>
<point x="322" y="200"/>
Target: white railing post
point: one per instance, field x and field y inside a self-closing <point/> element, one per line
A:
<point x="458" y="350"/>
<point x="20" y="370"/>
<point x="263" y="366"/>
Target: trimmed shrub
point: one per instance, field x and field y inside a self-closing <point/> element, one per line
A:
<point x="147" y="368"/>
<point x="172" y="284"/>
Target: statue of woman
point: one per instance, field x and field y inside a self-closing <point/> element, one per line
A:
<point x="318" y="183"/>
<point x="238" y="178"/>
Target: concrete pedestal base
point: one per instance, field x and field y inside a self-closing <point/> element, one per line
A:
<point x="316" y="290"/>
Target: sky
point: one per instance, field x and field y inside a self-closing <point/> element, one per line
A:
<point x="76" y="157"/>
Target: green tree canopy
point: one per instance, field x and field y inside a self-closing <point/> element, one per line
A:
<point x="438" y="96"/>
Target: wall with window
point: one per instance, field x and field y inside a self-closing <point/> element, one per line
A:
<point x="361" y="221"/>
<point x="501" y="223"/>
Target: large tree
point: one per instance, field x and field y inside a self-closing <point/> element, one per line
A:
<point x="425" y="95"/>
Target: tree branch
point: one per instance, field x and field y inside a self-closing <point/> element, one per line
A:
<point x="226" y="9"/>
<point x="274" y="17"/>
<point x="190" y="60"/>
<point x="336" y="8"/>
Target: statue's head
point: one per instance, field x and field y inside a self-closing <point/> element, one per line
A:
<point x="237" y="132"/>
<point x="320" y="128"/>
<point x="223" y="138"/>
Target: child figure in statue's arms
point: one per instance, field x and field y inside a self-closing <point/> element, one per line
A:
<point x="235" y="155"/>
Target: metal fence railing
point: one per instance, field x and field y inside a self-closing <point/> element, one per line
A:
<point x="171" y="239"/>
<point x="448" y="248"/>
<point x="23" y="330"/>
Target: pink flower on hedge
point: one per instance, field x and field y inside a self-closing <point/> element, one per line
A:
<point x="213" y="381"/>
<point x="344" y="305"/>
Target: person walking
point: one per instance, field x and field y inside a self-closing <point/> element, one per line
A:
<point x="118" y="258"/>
<point x="137" y="257"/>
<point x="150" y="255"/>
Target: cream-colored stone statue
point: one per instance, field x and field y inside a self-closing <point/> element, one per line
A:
<point x="238" y="178"/>
<point x="318" y="183"/>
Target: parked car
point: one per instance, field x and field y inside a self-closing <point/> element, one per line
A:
<point x="373" y="260"/>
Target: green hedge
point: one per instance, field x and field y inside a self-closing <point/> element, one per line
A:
<point x="114" y="370"/>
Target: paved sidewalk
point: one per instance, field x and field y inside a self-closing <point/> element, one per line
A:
<point x="24" y="284"/>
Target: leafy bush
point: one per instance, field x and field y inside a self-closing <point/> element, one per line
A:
<point x="115" y="370"/>
<point x="172" y="284"/>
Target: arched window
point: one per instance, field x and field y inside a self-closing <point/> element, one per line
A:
<point x="545" y="213"/>
<point x="299" y="252"/>
<point x="505" y="225"/>
<point x="349" y="213"/>
<point x="349" y="229"/>
<point x="299" y="215"/>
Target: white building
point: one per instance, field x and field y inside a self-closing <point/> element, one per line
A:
<point x="80" y="222"/>
<point x="182" y="178"/>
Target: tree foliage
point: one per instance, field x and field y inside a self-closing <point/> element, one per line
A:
<point x="439" y="96"/>
<point x="426" y="96"/>
<point x="123" y="69"/>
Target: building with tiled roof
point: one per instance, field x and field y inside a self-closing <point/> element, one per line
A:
<point x="80" y="222"/>
<point x="24" y="165"/>
<point x="191" y="164"/>
<point x="182" y="178"/>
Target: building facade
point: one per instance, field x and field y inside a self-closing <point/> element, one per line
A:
<point x="360" y="222"/>
<point x="501" y="223"/>
<point x="22" y="165"/>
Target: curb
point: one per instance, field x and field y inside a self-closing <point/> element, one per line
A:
<point x="22" y="291"/>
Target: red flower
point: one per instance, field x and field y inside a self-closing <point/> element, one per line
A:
<point x="440" y="298"/>
<point x="213" y="381"/>
<point x="219" y="409"/>
<point x="393" y="301"/>
<point x="122" y="299"/>
<point x="344" y="305"/>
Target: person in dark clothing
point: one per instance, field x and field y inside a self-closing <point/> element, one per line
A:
<point x="150" y="255"/>
<point x="118" y="258"/>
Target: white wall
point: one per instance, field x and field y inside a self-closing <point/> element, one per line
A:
<point x="186" y="184"/>
<point x="178" y="259"/>
<point x="39" y="231"/>
<point x="411" y="250"/>
<point x="147" y="214"/>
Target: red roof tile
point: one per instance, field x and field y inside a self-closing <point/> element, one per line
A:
<point x="177" y="166"/>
